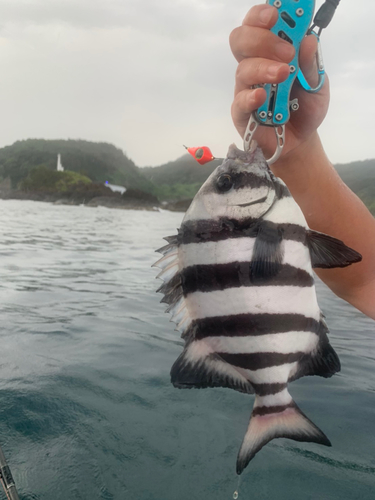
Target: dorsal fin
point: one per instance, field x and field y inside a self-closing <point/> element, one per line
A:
<point x="172" y="287"/>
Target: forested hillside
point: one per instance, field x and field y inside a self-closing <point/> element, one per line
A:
<point x="183" y="177"/>
<point x="360" y="177"/>
<point x="99" y="162"/>
<point x="184" y="170"/>
<point x="174" y="181"/>
<point x="179" y="179"/>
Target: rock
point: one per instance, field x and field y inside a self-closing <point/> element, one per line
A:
<point x="64" y="201"/>
<point x="140" y="197"/>
<point x="178" y="206"/>
<point x="92" y="195"/>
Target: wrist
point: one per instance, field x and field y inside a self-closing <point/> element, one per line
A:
<point x="304" y="166"/>
<point x="306" y="151"/>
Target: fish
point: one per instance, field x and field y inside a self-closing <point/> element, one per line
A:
<point x="239" y="284"/>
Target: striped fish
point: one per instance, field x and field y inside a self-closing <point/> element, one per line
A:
<point x="239" y="284"/>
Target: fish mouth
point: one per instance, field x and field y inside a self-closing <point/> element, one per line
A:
<point x="259" y="200"/>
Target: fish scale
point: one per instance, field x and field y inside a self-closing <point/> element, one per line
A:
<point x="239" y="284"/>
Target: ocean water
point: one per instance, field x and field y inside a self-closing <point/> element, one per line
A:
<point x="86" y="407"/>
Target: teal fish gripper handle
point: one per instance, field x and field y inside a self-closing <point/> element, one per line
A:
<point x="294" y="21"/>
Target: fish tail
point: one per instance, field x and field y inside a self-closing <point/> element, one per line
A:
<point x="276" y="421"/>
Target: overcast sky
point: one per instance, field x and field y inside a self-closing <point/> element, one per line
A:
<point x="151" y="75"/>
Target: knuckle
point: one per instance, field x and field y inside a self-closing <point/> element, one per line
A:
<point x="242" y="70"/>
<point x="238" y="74"/>
<point x="233" y="37"/>
<point x="237" y="107"/>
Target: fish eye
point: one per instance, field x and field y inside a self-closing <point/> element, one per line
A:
<point x="224" y="183"/>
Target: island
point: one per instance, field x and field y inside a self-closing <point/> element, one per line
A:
<point x="96" y="174"/>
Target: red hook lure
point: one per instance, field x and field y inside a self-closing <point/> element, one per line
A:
<point x="201" y="154"/>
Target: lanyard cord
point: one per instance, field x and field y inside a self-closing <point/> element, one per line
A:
<point x="324" y="15"/>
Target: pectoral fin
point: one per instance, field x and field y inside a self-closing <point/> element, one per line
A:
<point x="327" y="252"/>
<point x="268" y="254"/>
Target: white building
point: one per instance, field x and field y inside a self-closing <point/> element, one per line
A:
<point x="115" y="188"/>
<point x="60" y="168"/>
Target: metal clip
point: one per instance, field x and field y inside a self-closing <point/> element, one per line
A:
<point x="249" y="134"/>
<point x="321" y="70"/>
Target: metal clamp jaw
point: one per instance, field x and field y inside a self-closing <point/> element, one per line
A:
<point x="293" y="25"/>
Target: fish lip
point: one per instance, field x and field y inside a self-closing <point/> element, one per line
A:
<point x="259" y="200"/>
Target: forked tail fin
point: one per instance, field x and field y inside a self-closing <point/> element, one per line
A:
<point x="270" y="422"/>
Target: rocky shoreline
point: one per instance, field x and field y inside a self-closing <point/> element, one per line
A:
<point x="130" y="200"/>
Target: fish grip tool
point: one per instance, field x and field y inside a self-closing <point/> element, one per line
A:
<point x="295" y="21"/>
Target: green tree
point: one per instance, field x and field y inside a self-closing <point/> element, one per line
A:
<point x="43" y="179"/>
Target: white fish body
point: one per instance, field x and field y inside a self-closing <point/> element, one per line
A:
<point x="240" y="287"/>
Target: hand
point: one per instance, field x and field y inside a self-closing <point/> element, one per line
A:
<point x="263" y="58"/>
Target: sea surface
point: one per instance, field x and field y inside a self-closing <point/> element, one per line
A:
<point x="87" y="410"/>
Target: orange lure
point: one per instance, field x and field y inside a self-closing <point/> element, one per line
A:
<point x="201" y="154"/>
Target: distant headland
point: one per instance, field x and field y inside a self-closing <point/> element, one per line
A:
<point x="83" y="172"/>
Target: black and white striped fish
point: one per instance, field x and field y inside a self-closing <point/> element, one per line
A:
<point x="239" y="283"/>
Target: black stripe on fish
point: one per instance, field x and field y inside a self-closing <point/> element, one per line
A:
<point x="268" y="389"/>
<point x="242" y="180"/>
<point x="221" y="369"/>
<point x="172" y="290"/>
<point x="268" y="410"/>
<point x="243" y="325"/>
<point x="208" y="278"/>
<point x="171" y="239"/>
<point x="173" y="296"/>
<point x="260" y="360"/>
<point x="293" y="425"/>
<point x="281" y="190"/>
<point x="201" y="231"/>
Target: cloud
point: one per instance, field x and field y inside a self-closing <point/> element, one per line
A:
<point x="150" y="75"/>
<point x="173" y="18"/>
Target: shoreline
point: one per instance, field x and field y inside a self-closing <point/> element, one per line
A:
<point x="116" y="202"/>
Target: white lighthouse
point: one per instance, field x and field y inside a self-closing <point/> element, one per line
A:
<point x="60" y="168"/>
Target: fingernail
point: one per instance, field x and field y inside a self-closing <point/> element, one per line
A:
<point x="272" y="70"/>
<point x="265" y="15"/>
<point x="284" y="51"/>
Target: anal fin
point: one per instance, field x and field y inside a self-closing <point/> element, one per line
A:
<point x="192" y="371"/>
<point x="323" y="362"/>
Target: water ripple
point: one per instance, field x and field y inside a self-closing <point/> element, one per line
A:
<point x="86" y="405"/>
